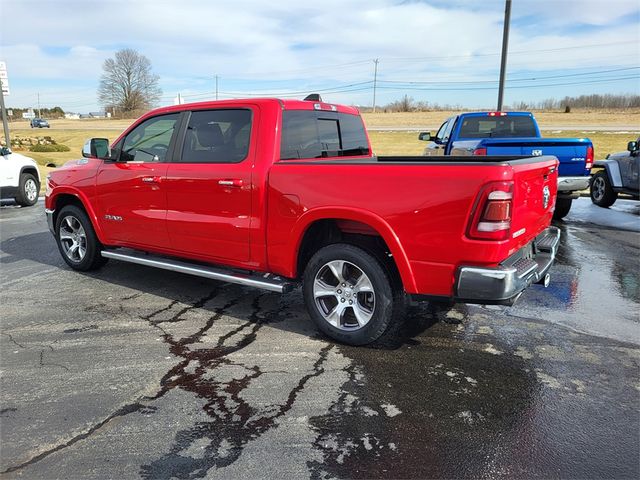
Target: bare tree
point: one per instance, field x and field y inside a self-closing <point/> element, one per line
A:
<point x="128" y="83"/>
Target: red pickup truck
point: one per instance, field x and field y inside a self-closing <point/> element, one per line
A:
<point x="275" y="193"/>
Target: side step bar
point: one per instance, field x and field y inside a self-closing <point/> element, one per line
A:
<point x="266" y="281"/>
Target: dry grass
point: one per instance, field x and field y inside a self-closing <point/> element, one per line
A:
<point x="74" y="133"/>
<point x="407" y="143"/>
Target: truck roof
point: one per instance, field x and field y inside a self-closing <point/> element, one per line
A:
<point x="285" y="104"/>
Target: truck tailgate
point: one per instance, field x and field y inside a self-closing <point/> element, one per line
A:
<point x="571" y="153"/>
<point x="534" y="195"/>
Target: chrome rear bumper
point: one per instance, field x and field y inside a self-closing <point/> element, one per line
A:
<point x="572" y="184"/>
<point x="504" y="283"/>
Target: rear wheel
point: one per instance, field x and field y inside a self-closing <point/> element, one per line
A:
<point x="77" y="240"/>
<point x="602" y="193"/>
<point x="351" y="296"/>
<point x="28" y="190"/>
<point x="563" y="205"/>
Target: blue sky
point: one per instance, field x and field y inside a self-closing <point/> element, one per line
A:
<point x="444" y="52"/>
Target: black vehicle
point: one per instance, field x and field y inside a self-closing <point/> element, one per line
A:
<point x="39" y="123"/>
<point x="617" y="174"/>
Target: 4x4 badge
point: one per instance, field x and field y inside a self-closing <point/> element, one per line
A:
<point x="546" y="195"/>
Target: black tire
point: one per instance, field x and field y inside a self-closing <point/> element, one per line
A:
<point x="28" y="190"/>
<point x="601" y="191"/>
<point x="68" y="222"/>
<point x="386" y="306"/>
<point x="563" y="205"/>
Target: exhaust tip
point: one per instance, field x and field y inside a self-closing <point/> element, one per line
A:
<point x="546" y="280"/>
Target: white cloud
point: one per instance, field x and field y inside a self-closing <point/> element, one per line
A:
<point x="189" y="41"/>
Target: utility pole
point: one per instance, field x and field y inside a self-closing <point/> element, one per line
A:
<point x="5" y="124"/>
<point x="39" y="114"/>
<point x="505" y="44"/>
<point x="375" y="82"/>
<point x="216" y="87"/>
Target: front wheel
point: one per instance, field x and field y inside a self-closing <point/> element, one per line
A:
<point x="28" y="190"/>
<point x="77" y="241"/>
<point x="601" y="191"/>
<point x="350" y="296"/>
<point x="563" y="205"/>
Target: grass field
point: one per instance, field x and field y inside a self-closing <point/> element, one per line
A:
<point x="73" y="133"/>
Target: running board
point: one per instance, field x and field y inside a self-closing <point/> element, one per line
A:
<point x="266" y="281"/>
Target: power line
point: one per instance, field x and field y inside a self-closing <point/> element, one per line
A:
<point x="464" y="89"/>
<point x="416" y="82"/>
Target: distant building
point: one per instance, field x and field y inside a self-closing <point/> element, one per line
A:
<point x="97" y="114"/>
<point x="72" y="116"/>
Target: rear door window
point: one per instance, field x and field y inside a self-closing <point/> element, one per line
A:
<point x="318" y="134"/>
<point x="217" y="136"/>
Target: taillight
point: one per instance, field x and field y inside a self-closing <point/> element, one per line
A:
<point x="589" y="158"/>
<point x="480" y="151"/>
<point x="491" y="218"/>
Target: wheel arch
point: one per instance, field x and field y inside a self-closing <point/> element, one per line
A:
<point x="323" y="226"/>
<point x="613" y="171"/>
<point x="68" y="196"/>
<point x="32" y="170"/>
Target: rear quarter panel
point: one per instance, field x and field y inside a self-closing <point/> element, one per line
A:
<point x="421" y="210"/>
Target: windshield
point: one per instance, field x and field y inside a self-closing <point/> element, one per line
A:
<point x="498" y="127"/>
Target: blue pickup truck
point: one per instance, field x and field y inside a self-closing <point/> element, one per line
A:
<point x="515" y="133"/>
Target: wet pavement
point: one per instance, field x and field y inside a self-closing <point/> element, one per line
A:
<point x="130" y="372"/>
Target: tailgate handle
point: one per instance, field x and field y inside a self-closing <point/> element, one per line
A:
<point x="228" y="182"/>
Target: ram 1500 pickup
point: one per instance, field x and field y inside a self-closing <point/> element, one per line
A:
<point x="515" y="133"/>
<point x="275" y="193"/>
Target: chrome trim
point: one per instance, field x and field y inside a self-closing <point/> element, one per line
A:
<point x="268" y="283"/>
<point x="572" y="184"/>
<point x="503" y="284"/>
<point x="49" y="213"/>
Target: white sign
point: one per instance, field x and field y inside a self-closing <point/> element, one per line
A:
<point x="5" y="78"/>
<point x="28" y="115"/>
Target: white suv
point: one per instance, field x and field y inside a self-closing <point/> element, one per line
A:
<point x="19" y="178"/>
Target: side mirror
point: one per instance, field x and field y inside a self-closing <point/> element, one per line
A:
<point x="5" y="151"/>
<point x="632" y="146"/>
<point x="425" y="136"/>
<point x="96" y="148"/>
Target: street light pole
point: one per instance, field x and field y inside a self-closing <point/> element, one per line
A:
<point x="216" y="87"/>
<point x="5" y="123"/>
<point x="505" y="43"/>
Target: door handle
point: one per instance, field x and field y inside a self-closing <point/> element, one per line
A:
<point x="151" y="179"/>
<point x="235" y="182"/>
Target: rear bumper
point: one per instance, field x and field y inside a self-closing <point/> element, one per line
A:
<point x="572" y="184"/>
<point x="504" y="283"/>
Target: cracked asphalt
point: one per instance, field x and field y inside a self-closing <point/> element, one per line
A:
<point x="131" y="372"/>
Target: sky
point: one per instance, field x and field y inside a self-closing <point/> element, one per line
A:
<point x="438" y="51"/>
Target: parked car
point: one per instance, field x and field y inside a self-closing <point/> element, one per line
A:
<point x="19" y="178"/>
<point x="39" y="123"/>
<point x="276" y="193"/>
<point x="515" y="133"/>
<point x="618" y="173"/>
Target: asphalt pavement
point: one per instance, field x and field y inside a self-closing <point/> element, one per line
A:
<point x="131" y="372"/>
